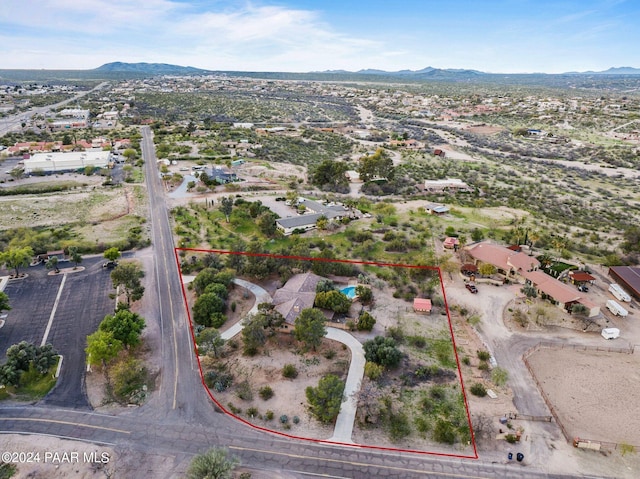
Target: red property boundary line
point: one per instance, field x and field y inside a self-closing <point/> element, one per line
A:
<point x="329" y="260"/>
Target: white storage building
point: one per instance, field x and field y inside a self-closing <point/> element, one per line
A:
<point x="63" y="162"/>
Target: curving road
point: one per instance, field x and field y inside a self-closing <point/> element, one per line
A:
<point x="180" y="420"/>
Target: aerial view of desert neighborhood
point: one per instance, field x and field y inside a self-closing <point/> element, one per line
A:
<point x="295" y="273"/>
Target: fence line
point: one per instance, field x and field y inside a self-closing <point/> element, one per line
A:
<point x="552" y="409"/>
<point x="579" y="347"/>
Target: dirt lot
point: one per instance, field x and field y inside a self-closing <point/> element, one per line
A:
<point x="592" y="383"/>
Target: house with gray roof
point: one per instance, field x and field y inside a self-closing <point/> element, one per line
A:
<point x="314" y="210"/>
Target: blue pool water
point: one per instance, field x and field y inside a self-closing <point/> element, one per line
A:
<point x="349" y="291"/>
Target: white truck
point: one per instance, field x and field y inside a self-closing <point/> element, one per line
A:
<point x="616" y="309"/>
<point x="619" y="293"/>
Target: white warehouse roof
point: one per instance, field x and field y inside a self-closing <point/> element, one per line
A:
<point x="71" y="161"/>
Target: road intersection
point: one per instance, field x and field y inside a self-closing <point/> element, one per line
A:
<point x="180" y="420"/>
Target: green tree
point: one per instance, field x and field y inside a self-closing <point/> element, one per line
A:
<point x="112" y="254"/>
<point x="129" y="378"/>
<point x="226" y="206"/>
<point x="213" y="464"/>
<point x="364" y="294"/>
<point x="130" y="154"/>
<point x="333" y="300"/>
<point x="257" y="327"/>
<point x="579" y="309"/>
<point x="102" y="347"/>
<point x="208" y="310"/>
<point x="4" y="302"/>
<point x="267" y="223"/>
<point x="366" y="321"/>
<point x="125" y="326"/>
<point x="325" y="399"/>
<point x="477" y="234"/>
<point x="486" y="269"/>
<point x="329" y="175"/>
<point x="16" y="258"/>
<point x="75" y="256"/>
<point x="381" y="350"/>
<point x="309" y="327"/>
<point x="209" y="341"/>
<point x="378" y="165"/>
<point x="52" y="263"/>
<point x="128" y="275"/>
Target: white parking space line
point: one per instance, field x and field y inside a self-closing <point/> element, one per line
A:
<point x="53" y="312"/>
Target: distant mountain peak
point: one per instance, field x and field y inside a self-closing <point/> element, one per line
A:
<point x="147" y="68"/>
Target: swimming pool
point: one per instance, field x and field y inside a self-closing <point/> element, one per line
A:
<point x="349" y="291"/>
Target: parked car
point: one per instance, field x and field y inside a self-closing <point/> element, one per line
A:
<point x="471" y="287"/>
<point x="110" y="264"/>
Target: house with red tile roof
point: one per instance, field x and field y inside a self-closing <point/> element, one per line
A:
<point x="511" y="264"/>
<point x="564" y="295"/>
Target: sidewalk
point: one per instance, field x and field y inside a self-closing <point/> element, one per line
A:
<point x="344" y="424"/>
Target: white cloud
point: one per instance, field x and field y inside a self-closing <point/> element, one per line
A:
<point x="240" y="37"/>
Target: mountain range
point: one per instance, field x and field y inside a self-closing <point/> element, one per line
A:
<point x="428" y="72"/>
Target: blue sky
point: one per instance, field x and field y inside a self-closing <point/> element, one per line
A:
<point x="507" y="36"/>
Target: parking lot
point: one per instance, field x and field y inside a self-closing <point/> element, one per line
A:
<point x="82" y="303"/>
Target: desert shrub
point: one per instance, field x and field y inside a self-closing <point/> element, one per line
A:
<point x="417" y="341"/>
<point x="289" y="371"/>
<point x="399" y="427"/>
<point x="252" y="412"/>
<point x="444" y="432"/>
<point x="511" y="438"/>
<point x="268" y="415"/>
<point x="129" y="378"/>
<point x="266" y="392"/>
<point x="484" y="355"/>
<point x="284" y="419"/>
<point x="296" y="419"/>
<point x="499" y="376"/>
<point x="244" y="391"/>
<point x="478" y="389"/>
<point x="397" y="333"/>
<point x="330" y="354"/>
<point x="483" y="366"/>
<point x="466" y="361"/>
<point x="373" y="371"/>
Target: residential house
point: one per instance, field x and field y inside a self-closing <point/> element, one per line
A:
<point x="297" y="294"/>
<point x="564" y="295"/>
<point x="511" y="264"/>
<point x="449" y="184"/>
<point x="437" y="209"/>
<point x="220" y="175"/>
<point x="314" y="211"/>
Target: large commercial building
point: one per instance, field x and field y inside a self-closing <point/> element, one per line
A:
<point x="48" y="163"/>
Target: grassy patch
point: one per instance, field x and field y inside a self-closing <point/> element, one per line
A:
<point x="33" y="385"/>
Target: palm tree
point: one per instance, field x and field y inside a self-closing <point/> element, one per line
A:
<point x="213" y="464"/>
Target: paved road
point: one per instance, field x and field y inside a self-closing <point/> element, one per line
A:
<point x="14" y="122"/>
<point x="180" y="420"/>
